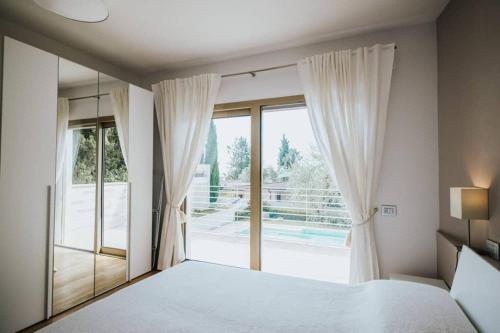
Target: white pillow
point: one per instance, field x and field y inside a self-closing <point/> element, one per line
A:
<point x="476" y="288"/>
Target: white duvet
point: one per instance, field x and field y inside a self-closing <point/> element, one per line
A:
<point x="201" y="297"/>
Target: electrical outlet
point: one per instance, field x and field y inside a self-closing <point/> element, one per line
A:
<point x="493" y="249"/>
<point x="389" y="210"/>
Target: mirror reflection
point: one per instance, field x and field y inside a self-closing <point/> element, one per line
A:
<point x="112" y="232"/>
<point x="91" y="199"/>
<point x="76" y="186"/>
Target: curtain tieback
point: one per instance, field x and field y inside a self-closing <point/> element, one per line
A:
<point x="176" y="210"/>
<point x="183" y="216"/>
<point x="365" y="221"/>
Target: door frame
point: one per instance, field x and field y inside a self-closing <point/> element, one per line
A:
<point x="104" y="123"/>
<point x="99" y="123"/>
<point x="254" y="109"/>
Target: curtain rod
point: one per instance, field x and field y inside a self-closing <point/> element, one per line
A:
<point x="85" y="97"/>
<point x="253" y="73"/>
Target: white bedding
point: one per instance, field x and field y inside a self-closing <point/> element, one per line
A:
<point x="201" y="297"/>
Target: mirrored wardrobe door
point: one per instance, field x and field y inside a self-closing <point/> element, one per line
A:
<point x="112" y="229"/>
<point x="76" y="186"/>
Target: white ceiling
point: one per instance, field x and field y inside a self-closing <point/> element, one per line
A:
<point x="149" y="35"/>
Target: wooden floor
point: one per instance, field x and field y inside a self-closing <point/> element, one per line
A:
<point x="55" y="318"/>
<point x="74" y="280"/>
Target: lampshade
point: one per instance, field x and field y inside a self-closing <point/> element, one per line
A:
<point x="469" y="203"/>
<point x="89" y="11"/>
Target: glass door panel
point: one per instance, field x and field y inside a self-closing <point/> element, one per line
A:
<point x="304" y="221"/>
<point x="76" y="186"/>
<point x="80" y="195"/>
<point x="115" y="203"/>
<point x="218" y="228"/>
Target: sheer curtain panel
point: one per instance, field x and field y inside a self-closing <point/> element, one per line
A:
<point x="184" y="108"/>
<point x="119" y="104"/>
<point x="347" y="94"/>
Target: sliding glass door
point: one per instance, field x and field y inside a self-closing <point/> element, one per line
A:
<point x="78" y="226"/>
<point x="262" y="196"/>
<point x="304" y="221"/>
<point x="219" y="197"/>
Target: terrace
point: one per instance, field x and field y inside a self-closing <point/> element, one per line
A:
<point x="304" y="230"/>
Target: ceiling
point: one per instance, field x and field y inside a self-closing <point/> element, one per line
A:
<point x="146" y="36"/>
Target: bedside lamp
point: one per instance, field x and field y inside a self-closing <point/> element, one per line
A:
<point x="469" y="203"/>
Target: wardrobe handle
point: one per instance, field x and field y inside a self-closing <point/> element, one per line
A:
<point x="49" y="201"/>
<point x="49" y="261"/>
<point x="129" y="205"/>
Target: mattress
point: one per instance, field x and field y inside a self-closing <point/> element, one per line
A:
<point x="201" y="297"/>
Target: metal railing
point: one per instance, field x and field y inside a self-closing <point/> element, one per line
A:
<point x="281" y="204"/>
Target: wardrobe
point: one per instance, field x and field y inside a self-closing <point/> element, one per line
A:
<point x="76" y="156"/>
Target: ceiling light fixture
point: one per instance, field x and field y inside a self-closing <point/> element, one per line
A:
<point x="89" y="11"/>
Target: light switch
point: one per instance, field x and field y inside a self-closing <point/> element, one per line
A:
<point x="389" y="210"/>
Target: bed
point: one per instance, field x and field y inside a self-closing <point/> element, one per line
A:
<point x="201" y="297"/>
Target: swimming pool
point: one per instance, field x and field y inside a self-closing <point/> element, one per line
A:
<point x="313" y="236"/>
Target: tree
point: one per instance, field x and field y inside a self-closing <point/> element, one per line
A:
<point x="287" y="156"/>
<point x="310" y="173"/>
<point x="269" y="175"/>
<point x="283" y="153"/>
<point x="214" y="181"/>
<point x="84" y="171"/>
<point x="313" y="174"/>
<point x="244" y="176"/>
<point x="115" y="169"/>
<point x="211" y="157"/>
<point x="239" y="153"/>
<point x="211" y="145"/>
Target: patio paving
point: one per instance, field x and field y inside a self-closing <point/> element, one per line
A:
<point x="225" y="245"/>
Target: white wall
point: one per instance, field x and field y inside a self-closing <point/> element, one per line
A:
<point x="87" y="108"/>
<point x="409" y="178"/>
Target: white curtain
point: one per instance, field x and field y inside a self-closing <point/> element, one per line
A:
<point x="184" y="108"/>
<point x="61" y="144"/>
<point x="347" y="94"/>
<point x="119" y="104"/>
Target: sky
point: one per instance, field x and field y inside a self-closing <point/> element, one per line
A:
<point x="294" y="123"/>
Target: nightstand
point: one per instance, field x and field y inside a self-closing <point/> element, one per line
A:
<point x="418" y="279"/>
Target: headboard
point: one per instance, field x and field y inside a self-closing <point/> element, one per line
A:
<point x="448" y="249"/>
<point x="476" y="288"/>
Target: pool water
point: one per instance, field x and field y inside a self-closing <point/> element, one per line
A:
<point x="313" y="236"/>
